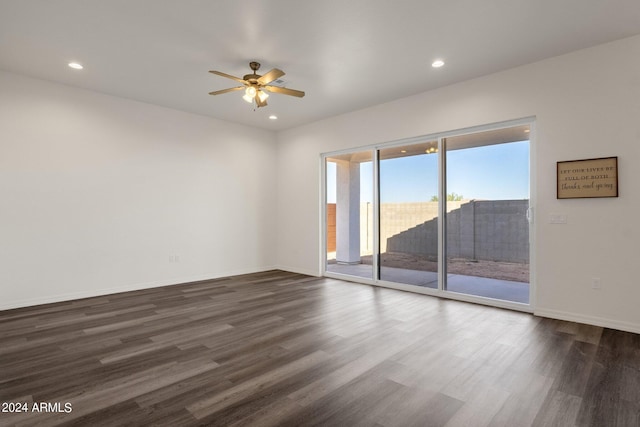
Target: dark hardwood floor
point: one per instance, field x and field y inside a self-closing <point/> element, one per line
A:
<point x="285" y="349"/>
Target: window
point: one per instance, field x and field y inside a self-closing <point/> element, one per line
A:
<point x="446" y="215"/>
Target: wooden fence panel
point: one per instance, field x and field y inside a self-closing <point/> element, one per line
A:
<point x="331" y="227"/>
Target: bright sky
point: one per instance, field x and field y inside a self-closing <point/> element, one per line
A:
<point x="491" y="172"/>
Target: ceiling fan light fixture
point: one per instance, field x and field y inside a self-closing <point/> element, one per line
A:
<point x="256" y="86"/>
<point x="262" y="95"/>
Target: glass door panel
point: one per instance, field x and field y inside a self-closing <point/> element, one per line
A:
<point x="487" y="200"/>
<point x="408" y="179"/>
<point x="349" y="214"/>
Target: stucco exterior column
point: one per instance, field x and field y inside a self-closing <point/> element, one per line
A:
<point x="348" y="212"/>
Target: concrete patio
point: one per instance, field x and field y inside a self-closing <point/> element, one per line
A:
<point x="463" y="284"/>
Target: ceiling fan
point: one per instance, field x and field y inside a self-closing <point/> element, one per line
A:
<point x="255" y="85"/>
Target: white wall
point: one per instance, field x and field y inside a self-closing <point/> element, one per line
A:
<point x="586" y="104"/>
<point x="97" y="193"/>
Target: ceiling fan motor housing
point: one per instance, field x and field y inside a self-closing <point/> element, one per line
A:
<point x="252" y="78"/>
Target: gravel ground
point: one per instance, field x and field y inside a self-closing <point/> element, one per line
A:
<point x="492" y="269"/>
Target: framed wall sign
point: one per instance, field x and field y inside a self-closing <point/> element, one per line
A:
<point x="588" y="178"/>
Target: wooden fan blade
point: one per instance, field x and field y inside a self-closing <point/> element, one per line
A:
<point x="231" y="89"/>
<point x="229" y="76"/>
<point x="284" y="91"/>
<point x="270" y="76"/>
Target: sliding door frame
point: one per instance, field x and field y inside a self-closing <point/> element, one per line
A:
<point x="442" y="271"/>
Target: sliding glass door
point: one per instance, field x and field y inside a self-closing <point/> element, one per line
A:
<point x="446" y="215"/>
<point x="409" y="214"/>
<point x="349" y="214"/>
<point x="487" y="204"/>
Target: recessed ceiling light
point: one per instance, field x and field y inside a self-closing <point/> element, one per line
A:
<point x="527" y="131"/>
<point x="437" y="63"/>
<point x="403" y="151"/>
<point x="273" y="117"/>
<point x="75" y="66"/>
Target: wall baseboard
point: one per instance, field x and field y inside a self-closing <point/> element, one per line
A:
<point x="299" y="271"/>
<point x="589" y="320"/>
<point x="126" y="288"/>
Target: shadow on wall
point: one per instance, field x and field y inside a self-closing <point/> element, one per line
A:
<point x="492" y="230"/>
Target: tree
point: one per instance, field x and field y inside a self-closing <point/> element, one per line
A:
<point x="451" y="197"/>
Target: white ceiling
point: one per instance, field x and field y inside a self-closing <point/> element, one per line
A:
<point x="346" y="55"/>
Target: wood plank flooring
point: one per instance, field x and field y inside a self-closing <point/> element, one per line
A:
<point x="283" y="349"/>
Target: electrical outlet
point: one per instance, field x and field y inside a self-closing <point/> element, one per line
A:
<point x="596" y="283"/>
<point x="557" y="219"/>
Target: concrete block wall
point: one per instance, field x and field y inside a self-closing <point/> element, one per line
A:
<point x="502" y="230"/>
<point x="366" y="228"/>
<point x="495" y="230"/>
<point x="398" y="217"/>
<point x="394" y="219"/>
